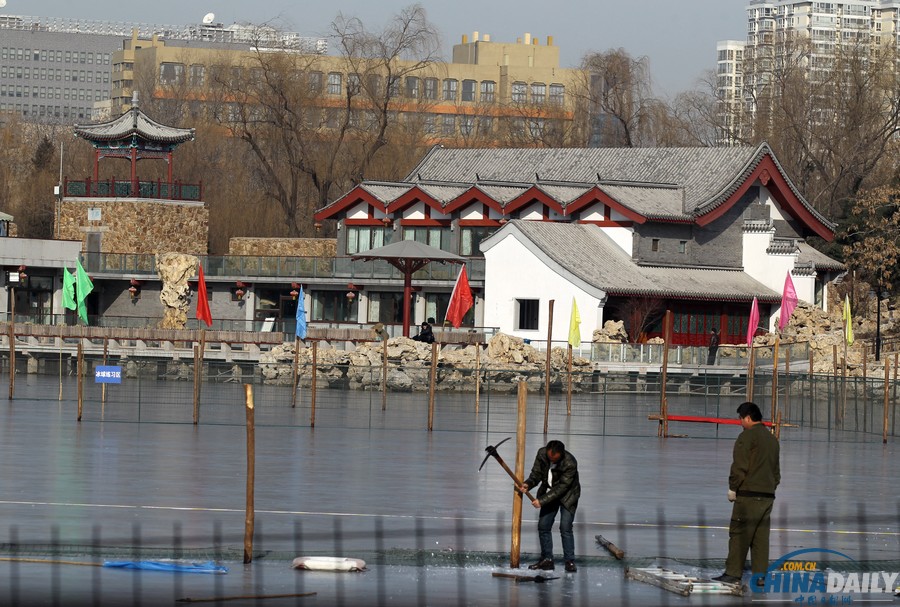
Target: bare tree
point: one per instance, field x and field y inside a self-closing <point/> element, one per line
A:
<point x="639" y="314"/>
<point x="311" y="134"/>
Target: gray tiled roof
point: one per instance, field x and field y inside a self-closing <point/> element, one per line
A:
<point x="820" y="260"/>
<point x="563" y="194"/>
<point x="503" y="193"/>
<point x="708" y="176"/>
<point x="384" y="192"/>
<point x="653" y="202"/>
<point x="703" y="172"/>
<point x="589" y="254"/>
<point x="442" y="193"/>
<point x="130" y="123"/>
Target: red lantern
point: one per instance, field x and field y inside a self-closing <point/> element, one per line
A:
<point x="239" y="293"/>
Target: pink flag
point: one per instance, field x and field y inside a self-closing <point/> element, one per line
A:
<point x="460" y="299"/>
<point x="788" y="302"/>
<point x="754" y="322"/>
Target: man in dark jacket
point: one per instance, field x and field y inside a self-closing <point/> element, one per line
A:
<point x="755" y="473"/>
<point x="557" y="472"/>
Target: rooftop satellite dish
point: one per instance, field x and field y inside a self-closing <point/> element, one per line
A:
<point x="207" y="19"/>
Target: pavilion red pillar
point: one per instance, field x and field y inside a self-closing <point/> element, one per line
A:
<point x="169" y="162"/>
<point x="96" y="166"/>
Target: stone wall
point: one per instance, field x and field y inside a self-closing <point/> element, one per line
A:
<point x="283" y="247"/>
<point x="138" y="226"/>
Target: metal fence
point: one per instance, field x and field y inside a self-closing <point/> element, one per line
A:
<point x="399" y="395"/>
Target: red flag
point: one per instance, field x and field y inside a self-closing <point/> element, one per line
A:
<point x="203" y="312"/>
<point x="788" y="302"/>
<point x="754" y="321"/>
<point x="460" y="300"/>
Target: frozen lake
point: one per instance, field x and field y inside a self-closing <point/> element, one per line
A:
<point x="412" y="503"/>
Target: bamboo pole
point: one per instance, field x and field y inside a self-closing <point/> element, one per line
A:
<point x="843" y="389"/>
<point x="775" y="412"/>
<point x="787" y="382"/>
<point x="515" y="543"/>
<point x="200" y="358"/>
<point x="569" y="390"/>
<point x="249" y="516"/>
<point x="59" y="397"/>
<point x="80" y="372"/>
<point x="312" y="388"/>
<point x="12" y="343"/>
<point x="477" y="375"/>
<point x="663" y="429"/>
<point x="547" y="380"/>
<point x="431" y="384"/>
<point x="896" y="365"/>
<point x="295" y="376"/>
<point x="384" y="370"/>
<point x="196" y="385"/>
<point x="103" y="385"/>
<point x="884" y="424"/>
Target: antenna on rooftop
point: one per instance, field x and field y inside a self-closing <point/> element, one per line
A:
<point x="207" y="18"/>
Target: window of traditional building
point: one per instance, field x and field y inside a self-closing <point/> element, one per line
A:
<point x="527" y="314"/>
<point x="364" y="238"/>
<point x="438" y="238"/>
<point x="654" y="245"/>
<point x="332" y="306"/>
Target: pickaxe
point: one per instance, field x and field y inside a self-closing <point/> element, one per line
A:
<point x="492" y="451"/>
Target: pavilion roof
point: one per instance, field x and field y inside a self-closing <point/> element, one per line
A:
<point x="134" y="122"/>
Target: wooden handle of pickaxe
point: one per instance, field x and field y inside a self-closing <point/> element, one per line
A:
<point x="511" y="474"/>
<point x="613" y="549"/>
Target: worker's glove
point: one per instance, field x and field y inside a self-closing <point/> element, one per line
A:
<point x="731" y="495"/>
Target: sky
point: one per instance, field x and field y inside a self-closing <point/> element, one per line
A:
<point x="679" y="38"/>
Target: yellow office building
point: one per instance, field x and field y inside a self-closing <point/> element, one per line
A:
<point x="488" y="88"/>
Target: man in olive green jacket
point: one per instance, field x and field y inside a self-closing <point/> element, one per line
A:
<point x="755" y="474"/>
<point x="557" y="472"/>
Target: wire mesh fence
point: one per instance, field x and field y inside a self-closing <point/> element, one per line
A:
<point x="420" y="563"/>
<point x="404" y="395"/>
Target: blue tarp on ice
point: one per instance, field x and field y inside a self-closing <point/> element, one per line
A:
<point x="209" y="567"/>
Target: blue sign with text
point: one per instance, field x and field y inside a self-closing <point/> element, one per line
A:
<point x="108" y="375"/>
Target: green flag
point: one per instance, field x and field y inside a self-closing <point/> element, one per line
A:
<point x="68" y="290"/>
<point x="84" y="286"/>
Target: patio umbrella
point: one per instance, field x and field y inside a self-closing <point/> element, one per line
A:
<point x="409" y="257"/>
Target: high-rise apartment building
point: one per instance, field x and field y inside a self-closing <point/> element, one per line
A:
<point x="774" y="30"/>
<point x="59" y="70"/>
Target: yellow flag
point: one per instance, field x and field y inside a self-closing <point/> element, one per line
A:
<point x="848" y="322"/>
<point x="575" y="326"/>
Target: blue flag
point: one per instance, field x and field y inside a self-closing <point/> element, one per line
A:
<point x="301" y="315"/>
